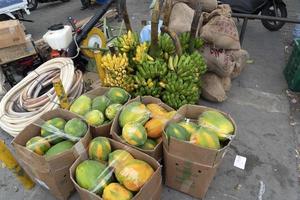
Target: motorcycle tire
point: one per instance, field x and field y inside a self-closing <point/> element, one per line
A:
<point x="274" y="25"/>
<point x="32" y="4"/>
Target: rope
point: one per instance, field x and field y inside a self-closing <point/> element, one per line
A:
<point x="24" y="103"/>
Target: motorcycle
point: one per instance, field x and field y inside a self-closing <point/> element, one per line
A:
<point x="274" y="8"/>
<point x="33" y="4"/>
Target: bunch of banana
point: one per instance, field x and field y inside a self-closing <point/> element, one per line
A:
<point x="116" y="70"/>
<point x="149" y="87"/>
<point x="185" y="40"/>
<point x="152" y="69"/>
<point x="178" y="91"/>
<point x="127" y="42"/>
<point x="166" y="45"/>
<point x="199" y="62"/>
<point x="141" y="54"/>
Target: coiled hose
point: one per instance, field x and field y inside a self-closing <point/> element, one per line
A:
<point x="34" y="95"/>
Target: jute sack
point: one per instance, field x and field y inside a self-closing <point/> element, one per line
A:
<point x="181" y="18"/>
<point x="219" y="29"/>
<point x="207" y="5"/>
<point x="226" y="82"/>
<point x="212" y="88"/>
<point x="218" y="61"/>
<point x="240" y="58"/>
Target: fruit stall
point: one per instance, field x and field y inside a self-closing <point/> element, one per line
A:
<point x="140" y="127"/>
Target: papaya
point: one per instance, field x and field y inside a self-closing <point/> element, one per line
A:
<point x="135" y="174"/>
<point x="93" y="176"/>
<point x="49" y="130"/>
<point x="134" y="112"/>
<point x="100" y="103"/>
<point x="59" y="148"/>
<point x="118" y="159"/>
<point x="81" y="105"/>
<point x="38" y="145"/>
<point x="112" y="110"/>
<point x="134" y="134"/>
<point x="149" y="144"/>
<point x="115" y="191"/>
<point x="176" y="131"/>
<point x="206" y="138"/>
<point x="94" y="118"/>
<point x="158" y="111"/>
<point x="117" y="95"/>
<point x="190" y="127"/>
<point x="76" y="128"/>
<point x="155" y="127"/>
<point x="217" y="122"/>
<point x="99" y="149"/>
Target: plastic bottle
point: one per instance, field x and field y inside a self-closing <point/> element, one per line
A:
<point x="296" y="32"/>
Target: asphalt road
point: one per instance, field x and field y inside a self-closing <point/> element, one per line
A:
<point x="257" y="101"/>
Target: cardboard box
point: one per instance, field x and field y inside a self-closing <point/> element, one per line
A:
<point x="13" y="53"/>
<point x="52" y="173"/>
<point x="151" y="190"/>
<point x="11" y="33"/>
<point x="116" y="130"/>
<point x="186" y="176"/>
<point x="194" y="153"/>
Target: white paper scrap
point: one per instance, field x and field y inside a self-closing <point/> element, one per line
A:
<point x="240" y="162"/>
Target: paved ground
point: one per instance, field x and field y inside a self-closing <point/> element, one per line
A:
<point x="268" y="127"/>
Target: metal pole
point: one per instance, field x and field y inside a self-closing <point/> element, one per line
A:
<point x="243" y="30"/>
<point x="261" y="17"/>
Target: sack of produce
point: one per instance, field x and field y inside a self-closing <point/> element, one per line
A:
<point x="226" y="82"/>
<point x="140" y="124"/>
<point x="47" y="148"/>
<point x="112" y="171"/>
<point x="218" y="61"/>
<point x="99" y="107"/>
<point x="181" y="18"/>
<point x="208" y="5"/>
<point x="212" y="88"/>
<point x="240" y="58"/>
<point x="219" y="29"/>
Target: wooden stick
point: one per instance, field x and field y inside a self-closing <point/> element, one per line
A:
<point x="167" y="12"/>
<point x="174" y="38"/>
<point x="125" y="15"/>
<point x="194" y="26"/>
<point x="154" y="50"/>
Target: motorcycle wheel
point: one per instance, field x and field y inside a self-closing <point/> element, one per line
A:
<point x="270" y="11"/>
<point x="32" y="4"/>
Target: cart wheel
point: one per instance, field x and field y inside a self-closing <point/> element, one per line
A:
<point x="32" y="4"/>
<point x="270" y="11"/>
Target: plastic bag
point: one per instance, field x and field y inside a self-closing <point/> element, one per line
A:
<point x="129" y="167"/>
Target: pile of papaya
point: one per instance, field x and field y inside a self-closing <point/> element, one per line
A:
<point x="102" y="109"/>
<point x="112" y="174"/>
<point x="142" y="125"/>
<point x="57" y="136"/>
<point x="210" y="130"/>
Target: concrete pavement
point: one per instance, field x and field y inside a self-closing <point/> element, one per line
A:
<point x="268" y="127"/>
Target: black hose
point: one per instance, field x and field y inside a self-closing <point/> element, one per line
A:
<point x="72" y="49"/>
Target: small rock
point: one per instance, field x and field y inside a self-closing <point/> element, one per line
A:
<point x="16" y="189"/>
<point x="238" y="187"/>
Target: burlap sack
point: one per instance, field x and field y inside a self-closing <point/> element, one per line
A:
<point x="220" y="29"/>
<point x="212" y="88"/>
<point x="207" y="5"/>
<point x="181" y="18"/>
<point x="226" y="82"/>
<point x="240" y="58"/>
<point x="218" y="61"/>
